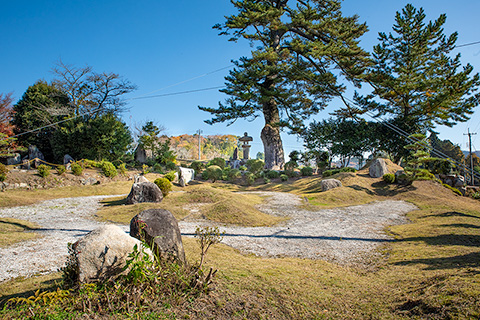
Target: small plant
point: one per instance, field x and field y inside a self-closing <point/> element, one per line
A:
<point x="306" y="171"/>
<point x="170" y="176"/>
<point x="389" y="177"/>
<point x="108" y="169"/>
<point x="43" y="170"/>
<point x="266" y="180"/>
<point x="170" y="165"/>
<point x="157" y="167"/>
<point x="348" y="169"/>
<point x="61" y="170"/>
<point x="3" y="172"/>
<point x="328" y="173"/>
<point x="165" y="185"/>
<point x="213" y="173"/>
<point x="122" y="169"/>
<point x="217" y="162"/>
<point x="145" y="169"/>
<point x="283" y="177"/>
<point x="476" y="195"/>
<point x="207" y="237"/>
<point x="272" y="174"/>
<point x="76" y="169"/>
<point x="455" y="190"/>
<point x="242" y="168"/>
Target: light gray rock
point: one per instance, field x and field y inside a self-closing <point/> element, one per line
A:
<point x="140" y="178"/>
<point x="102" y="253"/>
<point x="144" y="192"/>
<point x="15" y="159"/>
<point x="159" y="229"/>
<point x="142" y="155"/>
<point x="187" y="174"/>
<point x="378" y="168"/>
<point x="329" y="184"/>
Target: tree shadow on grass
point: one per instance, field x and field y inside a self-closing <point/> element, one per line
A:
<point x="460" y="225"/>
<point x="114" y="202"/>
<point x="16" y="224"/>
<point x="453" y="214"/>
<point x="449" y="240"/>
<point x="381" y="188"/>
<point x="47" y="285"/>
<point x="470" y="260"/>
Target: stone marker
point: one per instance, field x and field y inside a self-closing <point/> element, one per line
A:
<point x="102" y="253"/>
<point x="160" y="228"/>
<point x="187" y="174"/>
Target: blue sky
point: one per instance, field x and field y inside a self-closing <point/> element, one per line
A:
<point x="170" y="46"/>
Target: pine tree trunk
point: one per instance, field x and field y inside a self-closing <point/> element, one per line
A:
<point x="272" y="142"/>
<point x="273" y="148"/>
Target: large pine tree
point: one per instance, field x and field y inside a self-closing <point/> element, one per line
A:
<point x="302" y="47"/>
<point x="416" y="82"/>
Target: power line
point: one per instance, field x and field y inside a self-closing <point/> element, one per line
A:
<point x="177" y="93"/>
<point x="467" y="44"/>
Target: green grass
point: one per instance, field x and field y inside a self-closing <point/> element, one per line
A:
<point x="432" y="271"/>
<point x="14" y="230"/>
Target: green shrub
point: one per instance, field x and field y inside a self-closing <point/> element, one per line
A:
<point x="226" y="172"/>
<point x="348" y="169"/>
<point x="43" y="170"/>
<point x="197" y="166"/>
<point x="249" y="178"/>
<point x="85" y="163"/>
<point x="234" y="174"/>
<point x="61" y="170"/>
<point x="455" y="190"/>
<point x="266" y="180"/>
<point x="306" y="171"/>
<point x="283" y="177"/>
<point x="3" y="172"/>
<point x="476" y="195"/>
<point x="108" y="169"/>
<point x="145" y="169"/>
<point x="328" y="173"/>
<point x="170" y="176"/>
<point x="217" y="162"/>
<point x="76" y="169"/>
<point x="255" y="166"/>
<point x="242" y="168"/>
<point x="213" y="173"/>
<point x="170" y="165"/>
<point x="122" y="168"/>
<point x="157" y="167"/>
<point x="389" y="177"/>
<point x="165" y="185"/>
<point x="272" y="174"/>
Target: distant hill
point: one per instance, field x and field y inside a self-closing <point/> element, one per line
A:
<point x="466" y="153"/>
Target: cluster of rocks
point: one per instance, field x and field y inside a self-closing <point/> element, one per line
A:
<point x="102" y="254"/>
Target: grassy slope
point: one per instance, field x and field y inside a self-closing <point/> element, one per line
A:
<point x="432" y="271"/>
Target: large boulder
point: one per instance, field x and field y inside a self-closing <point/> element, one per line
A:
<point x="378" y="168"/>
<point x="329" y="184"/>
<point x="102" y="253"/>
<point x="144" y="192"/>
<point x="33" y="153"/>
<point x="185" y="175"/>
<point x="159" y="229"/>
<point x="14" y="159"/>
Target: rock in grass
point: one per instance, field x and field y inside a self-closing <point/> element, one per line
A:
<point x="159" y="229"/>
<point x="102" y="253"/>
<point x="328" y="184"/>
<point x="378" y="168"/>
<point x="144" y="192"/>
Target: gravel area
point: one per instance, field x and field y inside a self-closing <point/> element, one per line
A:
<point x="348" y="235"/>
<point x="342" y="235"/>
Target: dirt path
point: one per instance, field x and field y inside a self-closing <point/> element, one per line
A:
<point x="343" y="235"/>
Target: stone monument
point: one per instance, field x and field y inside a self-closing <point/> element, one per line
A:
<point x="246" y="147"/>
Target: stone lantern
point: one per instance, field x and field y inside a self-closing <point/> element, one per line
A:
<point x="246" y="147"/>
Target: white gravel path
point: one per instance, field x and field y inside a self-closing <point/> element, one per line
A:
<point x="341" y="235"/>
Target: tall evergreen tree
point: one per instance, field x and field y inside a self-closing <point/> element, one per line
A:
<point x="302" y="48"/>
<point x="415" y="80"/>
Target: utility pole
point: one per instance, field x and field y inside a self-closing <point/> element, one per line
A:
<point x="199" y="149"/>
<point x="470" y="134"/>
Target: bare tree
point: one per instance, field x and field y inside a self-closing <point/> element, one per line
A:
<point x="91" y="92"/>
